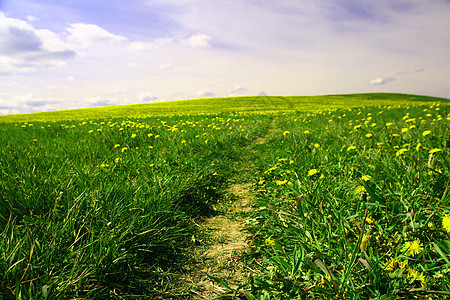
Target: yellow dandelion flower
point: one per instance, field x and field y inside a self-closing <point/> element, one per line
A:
<point x="281" y="182"/>
<point x="356" y="127"/>
<point x="133" y="135"/>
<point x="317" y="146"/>
<point x="405" y="130"/>
<point x="369" y="220"/>
<point x="286" y="132"/>
<point x="446" y="223"/>
<point x="124" y="149"/>
<point x="306" y="132"/>
<point x="366" y="177"/>
<point x="416" y="276"/>
<point x="401" y="151"/>
<point x="394" y="264"/>
<point x="435" y="150"/>
<point x="359" y="190"/>
<point x="389" y="124"/>
<point x="412" y="248"/>
<point x="312" y="172"/>
<point x="116" y="145"/>
<point x="269" y="242"/>
<point x="426" y="132"/>
<point x="350" y="148"/>
<point x="369" y="135"/>
<point x="418" y="146"/>
<point x="261" y="181"/>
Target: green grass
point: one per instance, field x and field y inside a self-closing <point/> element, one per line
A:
<point x="106" y="207"/>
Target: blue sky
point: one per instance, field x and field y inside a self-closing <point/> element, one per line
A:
<point x="71" y="54"/>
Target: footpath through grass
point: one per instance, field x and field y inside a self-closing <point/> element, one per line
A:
<point x="350" y="203"/>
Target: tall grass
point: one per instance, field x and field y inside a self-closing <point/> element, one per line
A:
<point x="107" y="208"/>
<point x="354" y="204"/>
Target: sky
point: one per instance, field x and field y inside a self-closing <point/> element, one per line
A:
<point x="66" y="54"/>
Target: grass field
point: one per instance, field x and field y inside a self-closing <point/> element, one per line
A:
<point x="352" y="197"/>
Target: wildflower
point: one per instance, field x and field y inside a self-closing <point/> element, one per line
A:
<point x="435" y="150"/>
<point x="395" y="135"/>
<point x="359" y="190"/>
<point x="369" y="135"/>
<point x="133" y="135"/>
<point x="356" y="127"/>
<point x="412" y="248"/>
<point x="404" y="130"/>
<point x="426" y="132"/>
<point x="104" y="165"/>
<point x="418" y="146"/>
<point x="394" y="264"/>
<point x="116" y="146"/>
<point x="286" y="132"/>
<point x="412" y="126"/>
<point x="269" y="242"/>
<point x="401" y="151"/>
<point x="312" y="172"/>
<point x="317" y="146"/>
<point x="446" y="223"/>
<point x="261" y="181"/>
<point x="389" y="124"/>
<point x="373" y="124"/>
<point x="416" y="276"/>
<point x="306" y="132"/>
<point x="369" y="220"/>
<point x="282" y="159"/>
<point x="351" y="148"/>
<point x="124" y="149"/>
<point x="281" y="182"/>
<point x="366" y="177"/>
<point x="150" y="134"/>
<point x="117" y="160"/>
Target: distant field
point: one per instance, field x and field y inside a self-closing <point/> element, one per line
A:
<point x="254" y="104"/>
<point x="352" y="197"/>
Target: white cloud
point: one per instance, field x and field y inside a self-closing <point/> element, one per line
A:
<point x="165" y="66"/>
<point x="381" y="81"/>
<point x="204" y="93"/>
<point x="25" y="49"/>
<point x="197" y="41"/>
<point x="82" y="35"/>
<point x="147" y="97"/>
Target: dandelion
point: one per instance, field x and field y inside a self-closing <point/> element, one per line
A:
<point x="281" y="182"/>
<point x="269" y="242"/>
<point x="446" y="223"/>
<point x="366" y="177"/>
<point x="359" y="190"/>
<point x="286" y="132"/>
<point x="412" y="126"/>
<point x="416" y="276"/>
<point x="418" y="146"/>
<point x="389" y="124"/>
<point x="404" y="130"/>
<point x="124" y="149"/>
<point x="351" y="148"/>
<point x="306" y="132"/>
<point x="116" y="146"/>
<point x="312" y="172"/>
<point x="369" y="220"/>
<point x="317" y="146"/>
<point x="426" y="132"/>
<point x="432" y="151"/>
<point x="373" y="124"/>
<point x="412" y="248"/>
<point x="395" y="264"/>
<point x="261" y="181"/>
<point x="133" y="135"/>
<point x="117" y="160"/>
<point x="369" y="135"/>
<point x="401" y="151"/>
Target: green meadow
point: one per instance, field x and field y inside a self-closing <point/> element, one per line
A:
<point x="351" y="197"/>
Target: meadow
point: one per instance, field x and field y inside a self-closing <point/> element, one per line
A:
<point x="351" y="197"/>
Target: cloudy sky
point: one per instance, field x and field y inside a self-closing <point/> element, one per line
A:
<point x="62" y="54"/>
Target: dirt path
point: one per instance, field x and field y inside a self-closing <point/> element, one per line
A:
<point x="223" y="258"/>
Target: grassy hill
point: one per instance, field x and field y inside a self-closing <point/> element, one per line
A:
<point x="252" y="104"/>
